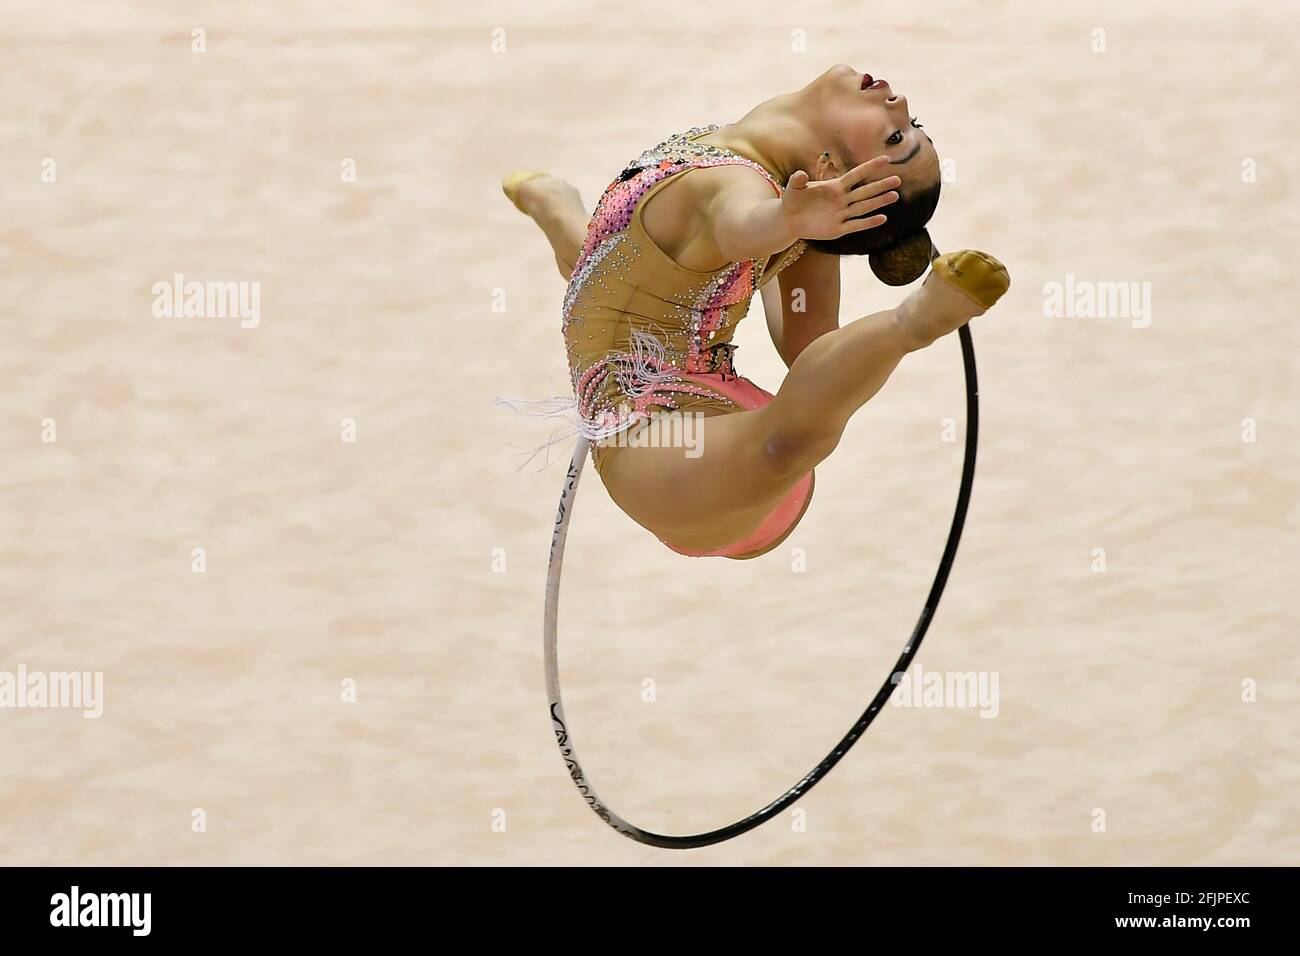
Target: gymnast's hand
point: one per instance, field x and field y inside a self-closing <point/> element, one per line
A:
<point x="830" y="208"/>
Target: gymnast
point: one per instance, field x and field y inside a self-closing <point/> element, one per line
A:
<point x="663" y="271"/>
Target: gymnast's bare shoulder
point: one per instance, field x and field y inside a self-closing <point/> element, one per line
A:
<point x="693" y="217"/>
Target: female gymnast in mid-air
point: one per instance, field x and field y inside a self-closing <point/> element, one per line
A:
<point x="665" y="268"/>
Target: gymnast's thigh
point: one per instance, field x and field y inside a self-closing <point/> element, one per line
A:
<point x="726" y="481"/>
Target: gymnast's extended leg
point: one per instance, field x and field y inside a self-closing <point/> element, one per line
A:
<point x="750" y="459"/>
<point x="557" y="208"/>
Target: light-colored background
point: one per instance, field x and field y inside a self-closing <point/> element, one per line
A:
<point x="372" y="561"/>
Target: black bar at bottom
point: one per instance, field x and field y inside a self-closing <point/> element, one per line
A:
<point x="370" y="905"/>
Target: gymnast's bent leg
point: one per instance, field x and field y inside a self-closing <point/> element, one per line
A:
<point x="750" y="459"/>
<point x="557" y="208"/>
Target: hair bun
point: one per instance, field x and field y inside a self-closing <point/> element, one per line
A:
<point x="903" y="262"/>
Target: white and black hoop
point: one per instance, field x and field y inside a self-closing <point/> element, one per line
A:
<point x="564" y="737"/>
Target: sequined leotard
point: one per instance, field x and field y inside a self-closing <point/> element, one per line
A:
<point x="635" y="322"/>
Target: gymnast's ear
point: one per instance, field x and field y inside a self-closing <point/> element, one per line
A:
<point x="903" y="262"/>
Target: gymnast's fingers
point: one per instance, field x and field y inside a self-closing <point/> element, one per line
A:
<point x="859" y="225"/>
<point x="870" y="205"/>
<point x="869" y="189"/>
<point x="858" y="173"/>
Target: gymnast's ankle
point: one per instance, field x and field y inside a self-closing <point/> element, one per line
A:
<point x="960" y="286"/>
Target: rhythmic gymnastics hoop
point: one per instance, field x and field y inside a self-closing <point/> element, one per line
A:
<point x="565" y="739"/>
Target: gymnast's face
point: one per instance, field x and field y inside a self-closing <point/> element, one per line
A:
<point x="865" y="119"/>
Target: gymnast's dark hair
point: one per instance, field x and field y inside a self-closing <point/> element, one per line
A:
<point x="899" y="250"/>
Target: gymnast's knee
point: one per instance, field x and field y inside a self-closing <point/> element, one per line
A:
<point x="790" y="452"/>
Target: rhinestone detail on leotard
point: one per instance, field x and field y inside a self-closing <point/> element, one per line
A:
<point x="613" y="389"/>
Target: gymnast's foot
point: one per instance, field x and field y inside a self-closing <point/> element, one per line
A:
<point x="540" y="195"/>
<point x="960" y="286"/>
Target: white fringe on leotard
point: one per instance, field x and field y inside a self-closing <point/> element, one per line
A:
<point x="638" y="370"/>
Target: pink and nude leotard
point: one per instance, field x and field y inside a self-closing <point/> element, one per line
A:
<point x="644" y="334"/>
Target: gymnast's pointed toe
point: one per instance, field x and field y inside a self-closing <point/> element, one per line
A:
<point x="510" y="185"/>
<point x="977" y="275"/>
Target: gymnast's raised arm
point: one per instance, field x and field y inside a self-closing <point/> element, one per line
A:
<point x="747" y="222"/>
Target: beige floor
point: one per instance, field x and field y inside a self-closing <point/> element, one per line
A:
<point x="373" y="561"/>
